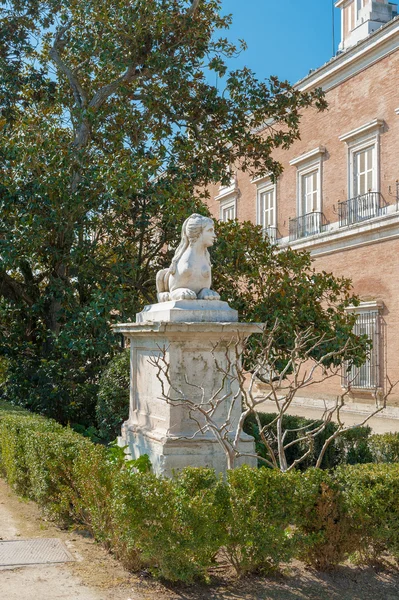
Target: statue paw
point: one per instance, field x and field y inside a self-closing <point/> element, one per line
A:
<point x="183" y="294"/>
<point x="163" y="297"/>
<point x="207" y="294"/>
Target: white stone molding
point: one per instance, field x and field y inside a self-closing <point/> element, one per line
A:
<point x="367" y="306"/>
<point x="308" y="156"/>
<point x="369" y="128"/>
<point x="376" y="46"/>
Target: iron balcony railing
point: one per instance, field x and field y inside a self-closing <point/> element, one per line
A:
<point x="306" y="225"/>
<point x="272" y="233"/>
<point x="361" y="208"/>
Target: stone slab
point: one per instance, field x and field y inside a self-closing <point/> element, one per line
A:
<point x="33" y="552"/>
<point x="188" y="311"/>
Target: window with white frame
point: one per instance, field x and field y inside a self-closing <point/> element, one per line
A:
<point x="309" y="191"/>
<point x="266" y="213"/>
<point x="363" y="158"/>
<point x="364" y="170"/>
<point x="368" y="323"/>
<point x="309" y="218"/>
<point x="228" y="210"/>
<point x="363" y="173"/>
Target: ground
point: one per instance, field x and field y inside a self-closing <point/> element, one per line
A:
<point x="97" y="576"/>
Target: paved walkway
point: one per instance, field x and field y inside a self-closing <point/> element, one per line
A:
<point x="94" y="575"/>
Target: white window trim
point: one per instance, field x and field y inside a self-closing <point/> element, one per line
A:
<point x="369" y="308"/>
<point x="307" y="163"/>
<point x="266" y="186"/>
<point x="226" y="190"/>
<point x="370" y="128"/>
<point x="229" y="202"/>
<point x="359" y="139"/>
<point x="312" y="154"/>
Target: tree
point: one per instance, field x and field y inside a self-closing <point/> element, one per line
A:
<point x="281" y="288"/>
<point x="109" y="123"/>
<point x="305" y="365"/>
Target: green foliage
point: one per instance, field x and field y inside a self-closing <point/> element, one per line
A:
<point x="261" y="510"/>
<point x="109" y="124"/>
<point x="384" y="448"/>
<point x="371" y="495"/>
<point x="113" y="396"/>
<point x="267" y="284"/>
<point x="327" y="533"/>
<point x="350" y="447"/>
<point x="257" y="518"/>
<point x="175" y="524"/>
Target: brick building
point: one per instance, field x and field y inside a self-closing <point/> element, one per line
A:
<point x="338" y="194"/>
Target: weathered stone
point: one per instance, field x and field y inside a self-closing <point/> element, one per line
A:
<point x="164" y="429"/>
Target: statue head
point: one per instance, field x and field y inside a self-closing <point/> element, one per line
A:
<point x="193" y="228"/>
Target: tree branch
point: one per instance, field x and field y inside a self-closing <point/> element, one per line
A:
<point x="193" y="8"/>
<point x="59" y="42"/>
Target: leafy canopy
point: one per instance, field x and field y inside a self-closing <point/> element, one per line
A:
<point x="109" y="123"/>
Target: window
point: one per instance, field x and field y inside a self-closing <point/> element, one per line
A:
<point x="228" y="210"/>
<point x="309" y="192"/>
<point x="309" y="219"/>
<point x="368" y="322"/>
<point x="364" y="172"/>
<point x="363" y="158"/>
<point x="228" y="200"/>
<point x="364" y="200"/>
<point x="266" y="209"/>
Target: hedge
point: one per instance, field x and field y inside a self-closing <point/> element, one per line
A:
<point x="176" y="528"/>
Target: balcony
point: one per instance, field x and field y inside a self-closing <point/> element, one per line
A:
<point x="361" y="208"/>
<point x="272" y="233"/>
<point x="307" y="225"/>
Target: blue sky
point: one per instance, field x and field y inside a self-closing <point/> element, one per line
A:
<point x="286" y="38"/>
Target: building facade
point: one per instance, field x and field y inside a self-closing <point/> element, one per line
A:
<point x="338" y="194"/>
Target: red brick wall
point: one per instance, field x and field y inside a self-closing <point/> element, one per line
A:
<point x="374" y="269"/>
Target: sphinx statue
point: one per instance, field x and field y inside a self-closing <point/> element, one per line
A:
<point x="189" y="276"/>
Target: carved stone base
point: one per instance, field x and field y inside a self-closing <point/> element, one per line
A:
<point x="196" y="355"/>
<point x="169" y="455"/>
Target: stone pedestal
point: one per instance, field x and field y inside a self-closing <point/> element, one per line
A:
<point x="165" y="430"/>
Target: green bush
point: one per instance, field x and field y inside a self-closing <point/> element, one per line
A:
<point x="113" y="397"/>
<point x="261" y="509"/>
<point x="371" y="494"/>
<point x="176" y="527"/>
<point x="384" y="448"/>
<point x="349" y="447"/>
<point x="326" y="535"/>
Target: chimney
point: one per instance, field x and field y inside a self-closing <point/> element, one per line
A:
<point x="359" y="18"/>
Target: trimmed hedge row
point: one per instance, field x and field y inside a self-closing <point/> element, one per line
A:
<point x="257" y="518"/>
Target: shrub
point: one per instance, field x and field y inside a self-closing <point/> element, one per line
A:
<point x="175" y="525"/>
<point x="384" y="448"/>
<point x="326" y="531"/>
<point x="349" y="447"/>
<point x="261" y="508"/>
<point x="113" y="397"/>
<point x="371" y="495"/>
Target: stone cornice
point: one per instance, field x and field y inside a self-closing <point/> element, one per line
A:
<point x="380" y="43"/>
<point x="369" y="127"/>
<point x="308" y="156"/>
